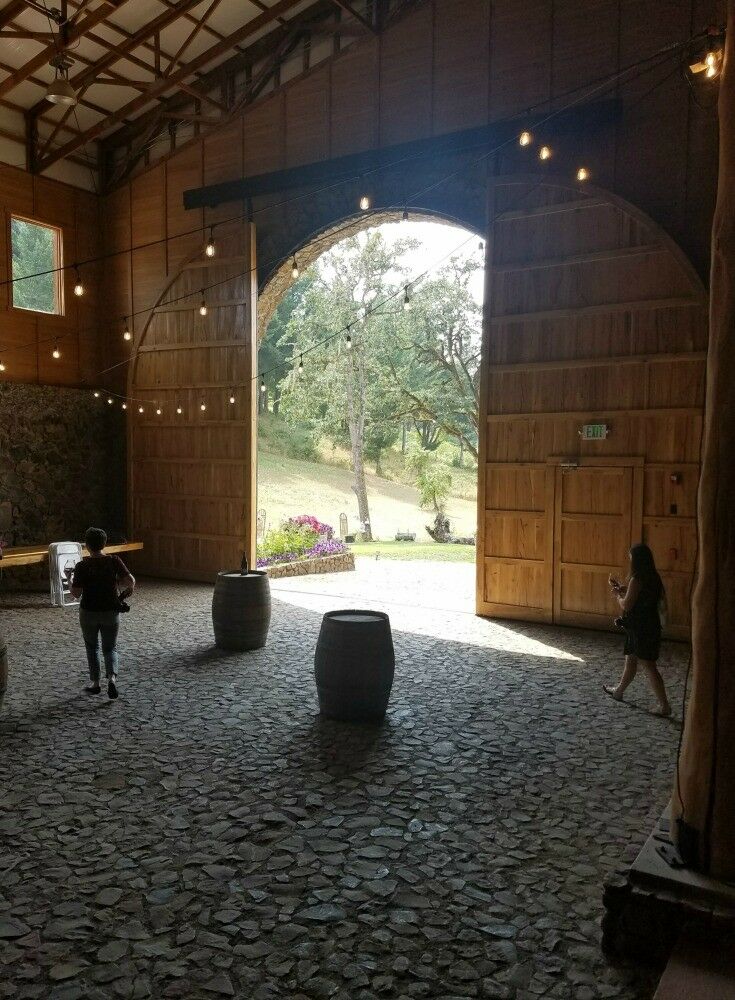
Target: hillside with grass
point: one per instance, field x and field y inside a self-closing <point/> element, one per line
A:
<point x="298" y="476"/>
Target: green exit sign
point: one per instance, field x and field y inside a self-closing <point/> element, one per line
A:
<point x="594" y="432"/>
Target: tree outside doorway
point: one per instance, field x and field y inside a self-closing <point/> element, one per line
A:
<point x="382" y="419"/>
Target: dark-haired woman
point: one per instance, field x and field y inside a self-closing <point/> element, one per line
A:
<point x="640" y="600"/>
<point x="98" y="579"/>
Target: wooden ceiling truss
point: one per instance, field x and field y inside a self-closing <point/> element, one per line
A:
<point x="173" y="89"/>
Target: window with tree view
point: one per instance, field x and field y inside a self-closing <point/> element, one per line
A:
<point x="36" y="256"/>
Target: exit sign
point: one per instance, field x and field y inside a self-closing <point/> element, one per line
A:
<point x="594" y="432"/>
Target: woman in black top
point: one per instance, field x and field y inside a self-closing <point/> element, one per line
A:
<point x="640" y="599"/>
<point x="97" y="580"/>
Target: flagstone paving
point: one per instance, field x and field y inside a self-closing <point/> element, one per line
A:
<point x="208" y="835"/>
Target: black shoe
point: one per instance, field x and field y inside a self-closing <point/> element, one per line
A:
<point x="111" y="688"/>
<point x="93" y="689"/>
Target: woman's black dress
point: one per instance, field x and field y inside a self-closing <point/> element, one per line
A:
<point x="642" y="623"/>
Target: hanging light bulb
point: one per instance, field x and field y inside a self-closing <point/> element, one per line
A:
<point x="583" y="174"/>
<point x="301" y="364"/>
<point x="202" y="406"/>
<point x="525" y="138"/>
<point x="159" y="411"/>
<point x="294" y="268"/>
<point x="544" y="153"/>
<point x="365" y="202"/>
<point x="405" y="215"/>
<point x="127" y="335"/>
<point x="96" y="394"/>
<point x="110" y="400"/>
<point x="232" y="397"/>
<point x="481" y="246"/>
<point x="203" y="305"/>
<point x="56" y="353"/>
<point x="406" y="300"/>
<point x="179" y="410"/>
<point x="262" y="384"/>
<point x="2" y="369"/>
<point x="78" y="286"/>
<point x="61" y="91"/>
<point x="141" y="410"/>
<point x="210" y="249"/>
<point x="125" y="406"/>
<point x="348" y="340"/>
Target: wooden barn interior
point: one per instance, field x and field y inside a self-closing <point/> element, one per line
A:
<point x="183" y="152"/>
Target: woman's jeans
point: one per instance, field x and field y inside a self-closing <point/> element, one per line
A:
<point x="95" y="624"/>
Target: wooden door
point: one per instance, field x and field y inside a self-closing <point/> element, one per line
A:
<point x="191" y="452"/>
<point x="592" y="315"/>
<point x="593" y="529"/>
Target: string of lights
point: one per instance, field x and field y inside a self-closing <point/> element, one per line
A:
<point x="525" y="139"/>
<point x="584" y="90"/>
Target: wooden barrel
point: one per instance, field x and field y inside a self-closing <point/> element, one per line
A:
<point x="241" y="610"/>
<point x="3" y="668"/>
<point x="354" y="665"/>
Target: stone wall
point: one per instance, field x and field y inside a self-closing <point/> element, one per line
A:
<point x="340" y="563"/>
<point x="62" y="468"/>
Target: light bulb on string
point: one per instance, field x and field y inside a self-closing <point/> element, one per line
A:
<point x="159" y="411"/>
<point x="56" y="353"/>
<point x="544" y="153"/>
<point x="232" y="397"/>
<point x="405" y="215"/>
<point x="365" y="202"/>
<point x="110" y="400"/>
<point x="203" y="305"/>
<point x="211" y="248"/>
<point x="202" y="406"/>
<point x="301" y="365"/>
<point x="78" y="286"/>
<point x="348" y="340"/>
<point x="141" y="410"/>
<point x="2" y="365"/>
<point x="406" y="300"/>
<point x="583" y="174"/>
<point x="124" y="406"/>
<point x="525" y="138"/>
<point x="179" y="410"/>
<point x="481" y="246"/>
<point x="262" y="384"/>
<point x="127" y="335"/>
<point x="96" y="394"/>
<point x="294" y="268"/>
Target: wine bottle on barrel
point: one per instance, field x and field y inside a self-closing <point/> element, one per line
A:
<point x="244" y="568"/>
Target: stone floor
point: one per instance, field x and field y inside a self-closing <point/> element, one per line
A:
<point x="207" y="835"/>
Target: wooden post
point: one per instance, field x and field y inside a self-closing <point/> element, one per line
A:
<point x="704" y="790"/>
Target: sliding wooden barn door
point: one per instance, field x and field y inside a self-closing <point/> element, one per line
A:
<point x="592" y="316"/>
<point x="192" y="465"/>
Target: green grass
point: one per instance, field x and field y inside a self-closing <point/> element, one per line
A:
<point x="432" y="551"/>
<point x="291" y="486"/>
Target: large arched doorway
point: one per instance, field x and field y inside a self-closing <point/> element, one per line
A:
<point x="374" y="433"/>
<point x="593" y="379"/>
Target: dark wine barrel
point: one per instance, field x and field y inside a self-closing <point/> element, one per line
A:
<point x="354" y="665"/>
<point x="241" y="610"/>
<point x="3" y="668"/>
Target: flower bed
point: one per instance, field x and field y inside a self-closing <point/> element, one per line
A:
<point x="300" y="539"/>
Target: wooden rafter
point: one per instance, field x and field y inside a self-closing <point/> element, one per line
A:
<point x="349" y="8"/>
<point x="66" y="40"/>
<point x="10" y="12"/>
<point x="161" y="86"/>
<point x="191" y="36"/>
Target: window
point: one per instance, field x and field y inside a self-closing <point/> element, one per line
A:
<point x="36" y="248"/>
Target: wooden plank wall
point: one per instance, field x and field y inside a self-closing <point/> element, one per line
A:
<point x="592" y="315"/>
<point x="26" y="338"/>
<point x="192" y="473"/>
<point x="455" y="64"/>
